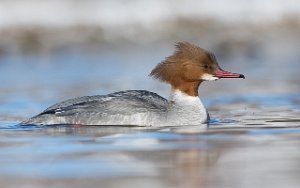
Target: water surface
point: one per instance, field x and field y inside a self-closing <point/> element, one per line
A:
<point x="252" y="140"/>
<point x="256" y="146"/>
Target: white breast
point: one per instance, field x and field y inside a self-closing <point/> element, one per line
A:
<point x="185" y="110"/>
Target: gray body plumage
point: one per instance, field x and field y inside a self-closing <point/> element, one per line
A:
<point x="132" y="107"/>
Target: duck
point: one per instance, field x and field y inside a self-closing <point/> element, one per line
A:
<point x="184" y="71"/>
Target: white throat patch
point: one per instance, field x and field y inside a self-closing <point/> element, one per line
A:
<point x="208" y="77"/>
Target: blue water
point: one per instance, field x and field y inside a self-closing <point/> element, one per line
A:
<point x="254" y="131"/>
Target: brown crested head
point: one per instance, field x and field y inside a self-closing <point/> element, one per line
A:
<point x="188" y="67"/>
<point x="185" y="68"/>
<point x="188" y="63"/>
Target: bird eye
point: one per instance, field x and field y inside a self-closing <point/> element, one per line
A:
<point x="205" y="66"/>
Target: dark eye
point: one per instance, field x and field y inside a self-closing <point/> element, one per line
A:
<point x="205" y="66"/>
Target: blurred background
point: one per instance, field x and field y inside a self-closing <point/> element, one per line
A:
<point x="53" y="50"/>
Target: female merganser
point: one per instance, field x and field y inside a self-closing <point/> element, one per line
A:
<point x="184" y="71"/>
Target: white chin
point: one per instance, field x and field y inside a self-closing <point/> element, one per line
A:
<point x="209" y="77"/>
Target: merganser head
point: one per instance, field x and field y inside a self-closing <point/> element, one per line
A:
<point x="188" y="67"/>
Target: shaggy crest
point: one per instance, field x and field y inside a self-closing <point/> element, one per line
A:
<point x="167" y="70"/>
<point x="186" y="51"/>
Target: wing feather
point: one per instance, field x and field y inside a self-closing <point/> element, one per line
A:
<point x="124" y="102"/>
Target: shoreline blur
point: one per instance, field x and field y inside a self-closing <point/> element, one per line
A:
<point x="224" y="38"/>
<point x="33" y="26"/>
